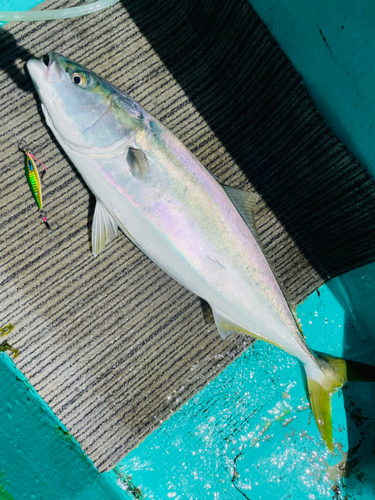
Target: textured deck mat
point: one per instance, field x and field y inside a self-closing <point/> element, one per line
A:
<point x="112" y="344"/>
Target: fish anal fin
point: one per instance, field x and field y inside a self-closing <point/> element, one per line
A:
<point x="104" y="227"/>
<point x="227" y="327"/>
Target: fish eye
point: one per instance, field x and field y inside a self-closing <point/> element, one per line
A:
<point x="79" y="79"/>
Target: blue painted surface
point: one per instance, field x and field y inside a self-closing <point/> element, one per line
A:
<point x="38" y="458"/>
<point x="332" y="45"/>
<point x="250" y="432"/>
<point x="340" y="320"/>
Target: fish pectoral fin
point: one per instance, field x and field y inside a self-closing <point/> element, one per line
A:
<point x="226" y="327"/>
<point x="104" y="227"/>
<point x="245" y="202"/>
<point x="138" y="163"/>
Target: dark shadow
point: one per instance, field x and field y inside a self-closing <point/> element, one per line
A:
<point x="361" y="434"/>
<point x="90" y="215"/>
<point x="11" y="52"/>
<point x="239" y="80"/>
<point x="358" y="345"/>
<point x="207" y="312"/>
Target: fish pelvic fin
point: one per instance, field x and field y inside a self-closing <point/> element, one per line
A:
<point x="104" y="227"/>
<point x="335" y="373"/>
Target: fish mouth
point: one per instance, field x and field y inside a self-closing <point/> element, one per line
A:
<point x="37" y="70"/>
<point x="48" y="69"/>
<point x="54" y="69"/>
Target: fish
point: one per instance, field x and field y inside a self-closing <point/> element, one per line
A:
<point x="200" y="232"/>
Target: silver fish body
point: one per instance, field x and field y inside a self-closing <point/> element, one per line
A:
<point x="147" y="183"/>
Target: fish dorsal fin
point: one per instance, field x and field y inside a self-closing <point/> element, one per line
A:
<point x="226" y="327"/>
<point x="103" y="228"/>
<point x="245" y="202"/>
<point x="138" y="163"/>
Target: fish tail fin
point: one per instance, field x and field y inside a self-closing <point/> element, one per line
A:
<point x="333" y="374"/>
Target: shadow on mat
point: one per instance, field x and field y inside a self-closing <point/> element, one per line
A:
<point x="11" y="52"/>
<point x="253" y="99"/>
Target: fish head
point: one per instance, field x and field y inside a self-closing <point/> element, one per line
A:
<point x="84" y="111"/>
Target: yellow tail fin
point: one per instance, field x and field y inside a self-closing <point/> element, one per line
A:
<point x="337" y="372"/>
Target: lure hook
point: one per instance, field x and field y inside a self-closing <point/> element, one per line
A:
<point x="45" y="184"/>
<point x="51" y="229"/>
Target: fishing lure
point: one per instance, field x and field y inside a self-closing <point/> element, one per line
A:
<point x="34" y="181"/>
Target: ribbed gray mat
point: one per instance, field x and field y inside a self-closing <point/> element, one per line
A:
<point x="112" y="344"/>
